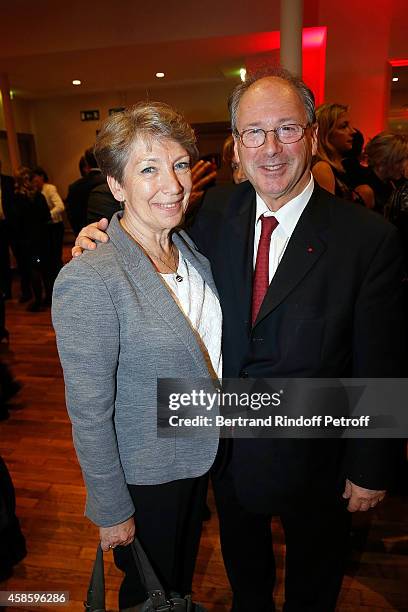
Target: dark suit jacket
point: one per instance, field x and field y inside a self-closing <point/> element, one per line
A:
<point x="101" y="203"/>
<point x="77" y="199"/>
<point x="7" y="196"/>
<point x="333" y="309"/>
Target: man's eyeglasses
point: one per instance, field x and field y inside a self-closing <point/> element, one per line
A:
<point x="286" y="134"/>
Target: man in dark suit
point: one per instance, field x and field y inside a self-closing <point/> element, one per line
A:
<point x="6" y="211"/>
<point x="101" y="204"/>
<point x="310" y="286"/>
<point x="332" y="308"/>
<point x="78" y="193"/>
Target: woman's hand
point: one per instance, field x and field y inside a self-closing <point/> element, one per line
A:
<point x="118" y="535"/>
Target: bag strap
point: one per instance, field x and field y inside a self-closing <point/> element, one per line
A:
<point x="148" y="576"/>
<point x="95" y="601"/>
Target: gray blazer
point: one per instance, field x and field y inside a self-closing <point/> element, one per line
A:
<point x="118" y="330"/>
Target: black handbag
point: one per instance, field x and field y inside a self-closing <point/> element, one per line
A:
<point x="95" y="601"/>
<point x="157" y="601"/>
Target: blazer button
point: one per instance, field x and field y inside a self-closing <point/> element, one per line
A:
<point x="243" y="374"/>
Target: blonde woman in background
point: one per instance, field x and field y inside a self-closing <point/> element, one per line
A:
<point x="334" y="142"/>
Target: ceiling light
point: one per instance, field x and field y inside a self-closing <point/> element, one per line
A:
<point x="242" y="74"/>
<point x="160" y="75"/>
<point x="76" y="82"/>
<point x="395" y="79"/>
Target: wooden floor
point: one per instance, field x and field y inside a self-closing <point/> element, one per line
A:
<point x="36" y="444"/>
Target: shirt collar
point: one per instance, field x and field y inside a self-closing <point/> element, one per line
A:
<point x="289" y="214"/>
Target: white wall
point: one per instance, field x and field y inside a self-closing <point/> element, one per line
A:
<point x="61" y="137"/>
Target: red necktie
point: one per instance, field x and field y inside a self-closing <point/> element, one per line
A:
<point x="261" y="276"/>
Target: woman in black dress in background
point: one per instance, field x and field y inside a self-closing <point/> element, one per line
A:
<point x="33" y="217"/>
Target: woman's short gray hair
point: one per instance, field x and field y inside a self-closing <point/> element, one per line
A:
<point x="388" y="150"/>
<point x="147" y="121"/>
<point x="304" y="92"/>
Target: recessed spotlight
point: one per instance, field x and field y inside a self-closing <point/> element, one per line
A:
<point x="160" y="75"/>
<point x="395" y="79"/>
<point x="242" y="74"/>
<point x="76" y="82"/>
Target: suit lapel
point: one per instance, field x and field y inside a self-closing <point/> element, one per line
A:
<point x="239" y="239"/>
<point x="305" y="247"/>
<point x="153" y="288"/>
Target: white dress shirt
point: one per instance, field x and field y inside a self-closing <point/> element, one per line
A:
<point x="288" y="217"/>
<point x="54" y="201"/>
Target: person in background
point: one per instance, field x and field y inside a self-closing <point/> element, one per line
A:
<point x="396" y="212"/>
<point x="203" y="176"/>
<point x="4" y="334"/>
<point x="387" y="156"/>
<point x="101" y="204"/>
<point x="334" y="143"/>
<point x="6" y="212"/>
<point x="10" y="237"/>
<point x="78" y="193"/>
<point x="352" y="161"/>
<point x="39" y="180"/>
<point x="9" y="386"/>
<point x="231" y="161"/>
<point x="222" y="191"/>
<point x="33" y="218"/>
<point x="140" y="308"/>
<point x="83" y="167"/>
<point x="12" y="541"/>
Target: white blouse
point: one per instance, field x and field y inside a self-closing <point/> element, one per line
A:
<point x="201" y="307"/>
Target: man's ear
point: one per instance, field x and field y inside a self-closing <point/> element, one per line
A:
<point x="236" y="150"/>
<point x="116" y="189"/>
<point x="313" y="131"/>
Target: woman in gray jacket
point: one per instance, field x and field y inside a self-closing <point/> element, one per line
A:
<point x="141" y="307"/>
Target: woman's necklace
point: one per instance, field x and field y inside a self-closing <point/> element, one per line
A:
<point x="177" y="276"/>
<point x="173" y="268"/>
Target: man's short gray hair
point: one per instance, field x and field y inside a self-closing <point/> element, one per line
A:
<point x="304" y="92"/>
<point x="146" y="121"/>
